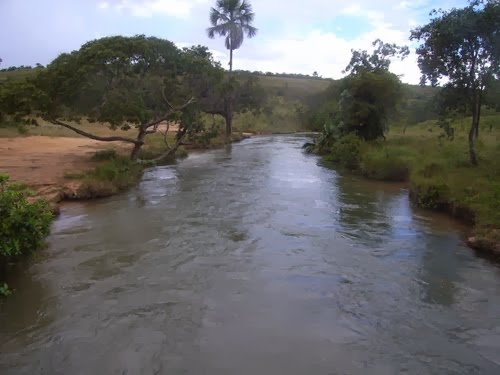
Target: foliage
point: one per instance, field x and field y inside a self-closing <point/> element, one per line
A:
<point x="347" y="151"/>
<point x="232" y="19"/>
<point x="24" y="225"/>
<point x="363" y="102"/>
<point x="5" y="290"/>
<point x="126" y="82"/>
<point x="108" y="178"/>
<point x="366" y="103"/>
<point x="379" y="60"/>
<point x="461" y="45"/>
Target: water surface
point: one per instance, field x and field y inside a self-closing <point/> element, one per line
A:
<point x="254" y="259"/>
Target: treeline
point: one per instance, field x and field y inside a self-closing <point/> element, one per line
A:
<point x="21" y="67"/>
<point x="281" y="75"/>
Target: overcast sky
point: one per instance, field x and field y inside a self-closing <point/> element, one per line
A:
<point x="295" y="36"/>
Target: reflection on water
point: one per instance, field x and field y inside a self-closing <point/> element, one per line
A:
<point x="253" y="259"/>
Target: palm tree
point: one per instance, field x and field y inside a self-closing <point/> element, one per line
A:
<point x="232" y="19"/>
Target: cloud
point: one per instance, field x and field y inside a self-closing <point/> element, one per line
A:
<point x="150" y="8"/>
<point x="295" y="37"/>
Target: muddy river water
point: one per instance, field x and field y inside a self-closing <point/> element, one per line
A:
<point x="253" y="259"/>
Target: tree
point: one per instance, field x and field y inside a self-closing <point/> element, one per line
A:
<point x="370" y="94"/>
<point x="367" y="102"/>
<point x="315" y="74"/>
<point x="231" y="95"/>
<point x="380" y="59"/>
<point x="232" y="19"/>
<point x="126" y="82"/>
<point x="462" y="46"/>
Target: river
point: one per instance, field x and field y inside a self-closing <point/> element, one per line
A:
<point x="253" y="259"/>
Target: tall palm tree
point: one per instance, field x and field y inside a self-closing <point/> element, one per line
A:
<point x="232" y="19"/>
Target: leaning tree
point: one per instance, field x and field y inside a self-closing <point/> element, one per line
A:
<point x="462" y="47"/>
<point x="129" y="83"/>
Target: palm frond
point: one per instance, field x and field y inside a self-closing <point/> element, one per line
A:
<point x="250" y="30"/>
<point x="221" y="30"/>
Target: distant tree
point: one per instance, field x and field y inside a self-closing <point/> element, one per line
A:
<point x="315" y="74"/>
<point x="232" y="19"/>
<point x="462" y="46"/>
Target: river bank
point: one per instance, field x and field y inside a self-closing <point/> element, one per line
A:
<point x="61" y="168"/>
<point x="438" y="174"/>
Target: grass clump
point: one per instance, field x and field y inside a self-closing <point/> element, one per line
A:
<point x="110" y="177"/>
<point x="383" y="164"/>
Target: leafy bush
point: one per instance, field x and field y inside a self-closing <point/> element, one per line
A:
<point x="108" y="178"/>
<point x="347" y="151"/>
<point x="23" y="225"/>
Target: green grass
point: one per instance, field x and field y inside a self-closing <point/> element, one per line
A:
<point x="109" y="177"/>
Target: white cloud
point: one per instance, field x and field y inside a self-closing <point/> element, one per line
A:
<point x="297" y="38"/>
<point x="150" y="8"/>
<point x="318" y="50"/>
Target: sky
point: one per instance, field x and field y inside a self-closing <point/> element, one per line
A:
<point x="294" y="36"/>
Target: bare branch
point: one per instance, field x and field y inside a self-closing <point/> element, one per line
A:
<point x="96" y="137"/>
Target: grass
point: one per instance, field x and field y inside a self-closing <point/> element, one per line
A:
<point x="440" y="174"/>
<point x="109" y="177"/>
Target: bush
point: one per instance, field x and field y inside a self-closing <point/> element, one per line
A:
<point x="23" y="225"/>
<point x="108" y="178"/>
<point x="347" y="151"/>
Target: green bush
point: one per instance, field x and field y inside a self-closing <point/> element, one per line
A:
<point x="23" y="225"/>
<point x="108" y="178"/>
<point x="347" y="151"/>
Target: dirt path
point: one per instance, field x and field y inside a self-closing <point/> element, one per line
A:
<point x="41" y="162"/>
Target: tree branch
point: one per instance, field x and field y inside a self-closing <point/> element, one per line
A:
<point x="165" y="117"/>
<point x="96" y="137"/>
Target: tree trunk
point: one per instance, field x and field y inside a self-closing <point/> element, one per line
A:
<point x="137" y="146"/>
<point x="476" y="130"/>
<point x="230" y="60"/>
<point x="229" y="124"/>
<point x="472" y="153"/>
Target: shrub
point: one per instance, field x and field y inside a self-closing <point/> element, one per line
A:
<point x="23" y="225"/>
<point x="347" y="151"/>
